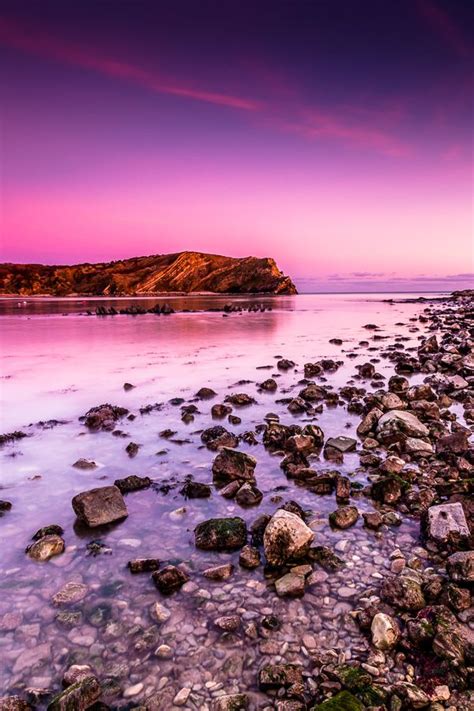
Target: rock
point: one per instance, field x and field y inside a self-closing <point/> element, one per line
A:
<point x="290" y="585"/>
<point x="285" y="364"/>
<point x="413" y="695"/>
<point x="326" y="558"/>
<point x="205" y="393"/>
<point x="369" y="422"/>
<point x="169" y="579"/>
<point x="385" y="631"/>
<point x="98" y="507"/>
<point x="132" y="449"/>
<point x="220" y="572"/>
<point x="220" y="534"/>
<point x="85" y="464"/>
<point x="403" y="593"/>
<point x="249" y="557"/>
<point x="399" y="424"/>
<point x="220" y="411"/>
<point x="70" y="593"/>
<point x="343" y="489"/>
<point x="447" y="523"/>
<point x="79" y="696"/>
<point x="128" y="386"/>
<point x="182" y="697"/>
<point x="132" y="483"/>
<point x="412" y="445"/>
<point x="392" y="465"/>
<point x="387" y="490"/>
<point x="13" y="703"/>
<point x="269" y="385"/>
<point x="456" y="443"/>
<point x="160" y="613"/>
<point x="195" y="490"/>
<point x="275" y="676"/>
<point x="230" y="702"/>
<point x="460" y="567"/>
<point x="76" y="673"/>
<point x="372" y="520"/>
<point x="51" y="530"/>
<point x="143" y="565"/>
<point x="103" y="417"/>
<point x="286" y="537"/>
<point x="342" y="444"/>
<point x="45" y="548"/>
<point x="228" y="623"/>
<point x="232" y="465"/>
<point x="248" y="495"/>
<point x="343" y="701"/>
<point x="344" y="517"/>
<point x="240" y="399"/>
<point x="217" y="437"/>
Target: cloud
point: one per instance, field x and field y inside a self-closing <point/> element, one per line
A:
<point x="360" y="127"/>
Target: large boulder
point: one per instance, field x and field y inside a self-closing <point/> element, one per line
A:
<point x="232" y="465"/>
<point x="286" y="537"/>
<point x="447" y="523"/>
<point x="98" y="507"/>
<point x="221" y="534"/>
<point x="396" y="425"/>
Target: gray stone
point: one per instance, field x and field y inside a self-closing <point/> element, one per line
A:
<point x="447" y="522"/>
<point x="98" y="507"/>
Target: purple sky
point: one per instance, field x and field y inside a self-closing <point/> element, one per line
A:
<point x="335" y="136"/>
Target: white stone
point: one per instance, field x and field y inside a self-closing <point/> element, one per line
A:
<point x="385" y="631"/>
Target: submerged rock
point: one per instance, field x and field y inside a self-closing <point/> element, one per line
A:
<point x="230" y="702"/>
<point x="275" y="676"/>
<point x="232" y="465"/>
<point x="132" y="483"/>
<point x="104" y="417"/>
<point x="220" y="534"/>
<point x="290" y="585"/>
<point x="286" y="537"/>
<point x="170" y="579"/>
<point x="79" y="696"/>
<point x="344" y="517"/>
<point x="99" y="507"/>
<point x="343" y="701"/>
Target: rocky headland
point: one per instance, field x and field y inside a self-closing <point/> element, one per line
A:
<point x="182" y="272"/>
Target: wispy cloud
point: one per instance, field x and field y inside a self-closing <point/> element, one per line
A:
<point x="354" y="126"/>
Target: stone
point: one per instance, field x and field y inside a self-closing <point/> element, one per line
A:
<point x="75" y="673"/>
<point x="182" y="697"/>
<point x="447" y="523"/>
<point x="290" y="585"/>
<point x="143" y="565"/>
<point x="70" y="593"/>
<point x="205" y="393"/>
<point x="160" y="613"/>
<point x="412" y="445"/>
<point x="403" y="592"/>
<point x="132" y="483"/>
<point x="413" y="695"/>
<point x="249" y="557"/>
<point x="286" y="537"/>
<point x="342" y="444"/>
<point x="232" y="465"/>
<point x="14" y="703"/>
<point x="399" y="424"/>
<point x="343" y="701"/>
<point x="32" y="657"/>
<point x="79" y="696"/>
<point x="275" y="676"/>
<point x="85" y="464"/>
<point x="219" y="411"/>
<point x="45" y="548"/>
<point x="220" y="572"/>
<point x="344" y="517"/>
<point x="221" y="534"/>
<point x="228" y="623"/>
<point x="230" y="702"/>
<point x="103" y="417"/>
<point x="372" y="520"/>
<point x="217" y="437"/>
<point x="169" y="579"/>
<point x="385" y="631"/>
<point x="240" y="399"/>
<point x="248" y="495"/>
<point x="101" y="506"/>
<point x="460" y="567"/>
<point x="52" y="530"/>
<point x="195" y="490"/>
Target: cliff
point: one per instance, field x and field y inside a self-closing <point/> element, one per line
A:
<point x="181" y="272"/>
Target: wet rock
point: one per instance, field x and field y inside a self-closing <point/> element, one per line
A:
<point x="326" y="558"/>
<point x="52" y="530"/>
<point x="460" y="567"/>
<point x="403" y="592"/>
<point x="447" y="523"/>
<point x="343" y="701"/>
<point x="205" y="393"/>
<point x="76" y="673"/>
<point x="45" y="548"/>
<point x="228" y="623"/>
<point x="248" y="495"/>
<point x="240" y="399"/>
<point x="5" y="506"/>
<point x="101" y="506"/>
<point x="230" y="702"/>
<point x="343" y="489"/>
<point x="372" y="520"/>
<point x="132" y="483"/>
<point x="249" y="557"/>
<point x="369" y="423"/>
<point x="414" y="697"/>
<point x="366" y="370"/>
<point x="11" y="437"/>
<point x="143" y="565"/>
<point x="392" y="465"/>
<point x="412" y="445"/>
<point x="72" y="592"/>
<point x="269" y="385"/>
<point x="385" y="631"/>
<point x="14" y="703"/>
<point x="230" y="490"/>
<point x="182" y="697"/>
<point x="220" y="572"/>
<point x="276" y="676"/>
<point x="103" y="417"/>
<point x="313" y="393"/>
<point x="132" y="449"/>
<point x="217" y="437"/>
<point x="79" y="696"/>
<point x="169" y="579"/>
<point x="456" y="443"/>
<point x="387" y="490"/>
<point x="85" y="464"/>
<point x="220" y="534"/>
<point x="285" y="364"/>
<point x="220" y="411"/>
<point x="232" y="465"/>
<point x="344" y="517"/>
<point x="290" y="585"/>
<point x="286" y="537"/>
<point x="195" y="490"/>
<point x="257" y="529"/>
<point x="397" y="424"/>
<point x="128" y="386"/>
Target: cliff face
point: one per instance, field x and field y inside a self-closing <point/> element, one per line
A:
<point x="184" y="271"/>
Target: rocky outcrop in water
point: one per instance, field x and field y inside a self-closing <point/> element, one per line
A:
<point x="187" y="272"/>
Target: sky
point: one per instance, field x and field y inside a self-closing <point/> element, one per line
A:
<point x="332" y="135"/>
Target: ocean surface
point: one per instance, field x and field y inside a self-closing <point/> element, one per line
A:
<point x="56" y="363"/>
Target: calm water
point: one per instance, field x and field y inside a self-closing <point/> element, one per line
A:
<point x="58" y="362"/>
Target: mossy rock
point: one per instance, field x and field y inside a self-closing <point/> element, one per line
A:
<point x="359" y="682"/>
<point x="344" y="701"/>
